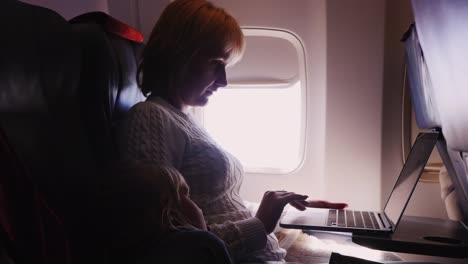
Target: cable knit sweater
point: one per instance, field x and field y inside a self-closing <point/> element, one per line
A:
<point x="156" y="131"/>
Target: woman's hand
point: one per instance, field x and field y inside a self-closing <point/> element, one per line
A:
<point x="302" y="205"/>
<point x="272" y="205"/>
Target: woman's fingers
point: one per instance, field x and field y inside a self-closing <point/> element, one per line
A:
<point x="272" y="206"/>
<point x="296" y="200"/>
<point x="284" y="196"/>
<point x="291" y="197"/>
<point x="273" y="203"/>
<point x="326" y="204"/>
<point x="299" y="205"/>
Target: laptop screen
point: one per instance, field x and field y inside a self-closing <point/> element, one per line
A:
<point x="409" y="176"/>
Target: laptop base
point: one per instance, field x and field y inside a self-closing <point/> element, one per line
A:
<point x="421" y="235"/>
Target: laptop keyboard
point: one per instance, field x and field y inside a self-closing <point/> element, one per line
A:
<point x="351" y="218"/>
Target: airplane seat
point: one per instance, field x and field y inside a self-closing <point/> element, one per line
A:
<point x="39" y="76"/>
<point x="39" y="115"/>
<point x="32" y="232"/>
<point x="108" y="86"/>
<point x="426" y="110"/>
<point x="437" y="58"/>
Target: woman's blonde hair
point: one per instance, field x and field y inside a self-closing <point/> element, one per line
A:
<point x="185" y="28"/>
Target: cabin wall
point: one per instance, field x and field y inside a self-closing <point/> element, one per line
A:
<point x="354" y="71"/>
<point x="397" y="19"/>
<point x="324" y="27"/>
<point x="126" y="11"/>
<point x="141" y="14"/>
<point x="355" y="37"/>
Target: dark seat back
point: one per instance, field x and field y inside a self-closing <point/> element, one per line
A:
<point x="39" y="74"/>
<point x="33" y="232"/>
<point x="63" y="88"/>
<point x="107" y="89"/>
<point x="108" y="86"/>
<point x="39" y="147"/>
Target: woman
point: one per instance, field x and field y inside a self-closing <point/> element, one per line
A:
<point x="182" y="65"/>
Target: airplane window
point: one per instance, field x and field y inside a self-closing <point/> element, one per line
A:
<point x="260" y="116"/>
<point x="261" y="127"/>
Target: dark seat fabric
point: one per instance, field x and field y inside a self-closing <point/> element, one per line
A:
<point x="41" y="115"/>
<point x="39" y="107"/>
<point x="36" y="97"/>
<point x="108" y="87"/>
<point x="32" y="231"/>
<point x="62" y="90"/>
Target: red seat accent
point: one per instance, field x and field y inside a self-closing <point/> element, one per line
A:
<point x="111" y="25"/>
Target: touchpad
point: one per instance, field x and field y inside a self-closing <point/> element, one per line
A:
<point x="446" y="240"/>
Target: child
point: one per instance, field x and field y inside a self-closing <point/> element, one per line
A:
<point x="149" y="218"/>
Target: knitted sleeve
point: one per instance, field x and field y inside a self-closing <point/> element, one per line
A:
<point x="148" y="133"/>
<point x="243" y="237"/>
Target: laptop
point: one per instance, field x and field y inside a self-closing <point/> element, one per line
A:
<point x="382" y="222"/>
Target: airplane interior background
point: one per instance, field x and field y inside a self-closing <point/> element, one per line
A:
<point x="355" y="68"/>
<point x="356" y="124"/>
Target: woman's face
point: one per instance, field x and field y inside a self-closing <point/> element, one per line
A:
<point x="205" y="74"/>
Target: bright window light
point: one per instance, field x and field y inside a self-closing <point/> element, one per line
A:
<point x="262" y="127"/>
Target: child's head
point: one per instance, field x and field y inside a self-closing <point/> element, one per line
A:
<point x="139" y="200"/>
<point x="178" y="210"/>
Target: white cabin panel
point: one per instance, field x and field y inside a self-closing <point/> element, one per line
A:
<point x="355" y="38"/>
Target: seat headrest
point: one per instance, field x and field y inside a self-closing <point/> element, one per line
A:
<point x="108" y="86"/>
<point x="39" y="76"/>
<point x="40" y="59"/>
<point x="111" y="25"/>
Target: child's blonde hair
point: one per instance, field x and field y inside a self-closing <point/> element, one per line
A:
<point x="172" y="215"/>
<point x="138" y="199"/>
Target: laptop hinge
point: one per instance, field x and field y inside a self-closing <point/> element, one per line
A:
<point x="384" y="220"/>
<point x="464" y="225"/>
